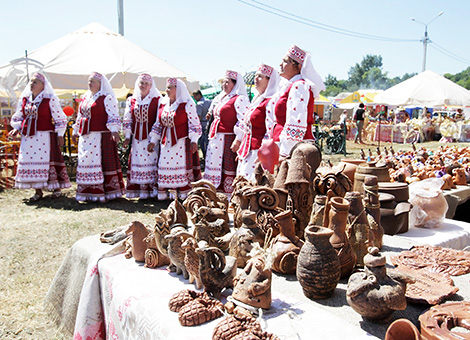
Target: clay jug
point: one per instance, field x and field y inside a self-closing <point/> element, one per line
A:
<point x="316" y="217"/>
<point x="358" y="224"/>
<point x="402" y="329"/>
<point x="286" y="246"/>
<point x="318" y="267"/>
<point x="372" y="205"/>
<point x="337" y="221"/>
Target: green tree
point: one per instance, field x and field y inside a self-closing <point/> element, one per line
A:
<point x="357" y="72"/>
<point x="461" y="78"/>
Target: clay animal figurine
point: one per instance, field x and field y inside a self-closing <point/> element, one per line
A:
<point x="373" y="293"/>
<point x="204" y="194"/>
<point x="175" y="252"/>
<point x="153" y="257"/>
<point x="240" y="246"/>
<point x="191" y="259"/>
<point x="139" y="246"/>
<point x="459" y="176"/>
<point x="210" y="231"/>
<point x="216" y="270"/>
<point x="210" y="215"/>
<point x="253" y="285"/>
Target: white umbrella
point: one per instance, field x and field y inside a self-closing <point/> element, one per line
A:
<point x="427" y="89"/>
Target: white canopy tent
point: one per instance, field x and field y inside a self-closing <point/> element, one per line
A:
<point x="69" y="60"/>
<point x="427" y="89"/>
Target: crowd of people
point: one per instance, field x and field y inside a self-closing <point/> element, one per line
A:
<point x="164" y="133"/>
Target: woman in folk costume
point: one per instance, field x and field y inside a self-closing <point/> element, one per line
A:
<point x="294" y="102"/>
<point x="228" y="109"/>
<point x="139" y="117"/>
<point x="41" y="122"/>
<point x="266" y="83"/>
<point x="99" y="176"/>
<point x="178" y="129"/>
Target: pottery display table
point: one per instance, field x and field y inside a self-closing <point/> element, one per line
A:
<point x="121" y="299"/>
<point x="386" y="133"/>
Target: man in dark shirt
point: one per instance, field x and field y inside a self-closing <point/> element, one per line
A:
<point x="359" y="118"/>
<point x="202" y="107"/>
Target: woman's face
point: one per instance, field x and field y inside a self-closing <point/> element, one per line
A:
<point x="144" y="87"/>
<point x="94" y="85"/>
<point x="171" y="92"/>
<point x="36" y="86"/>
<point x="227" y="85"/>
<point x="288" y="69"/>
<point x="261" y="82"/>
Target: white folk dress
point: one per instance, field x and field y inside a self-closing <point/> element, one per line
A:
<point x="34" y="160"/>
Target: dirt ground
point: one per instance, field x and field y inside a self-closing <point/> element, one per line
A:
<point x="36" y="236"/>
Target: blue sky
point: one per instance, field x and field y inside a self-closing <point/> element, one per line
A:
<point x="204" y="38"/>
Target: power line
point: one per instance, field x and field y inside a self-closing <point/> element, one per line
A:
<point x="293" y="17"/>
<point x="448" y="53"/>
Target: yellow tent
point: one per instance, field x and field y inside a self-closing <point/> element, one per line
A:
<point x="361" y="96"/>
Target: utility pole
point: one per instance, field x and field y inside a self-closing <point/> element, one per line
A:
<point x="121" y="16"/>
<point x="426" y="37"/>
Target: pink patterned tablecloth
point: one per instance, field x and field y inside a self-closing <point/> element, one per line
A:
<point x="385" y="133"/>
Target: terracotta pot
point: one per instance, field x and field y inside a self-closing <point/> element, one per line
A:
<point x="360" y="236"/>
<point x="337" y="221"/>
<point x="370" y="168"/>
<point x="318" y="267"/>
<point x="318" y="210"/>
<point x="351" y="165"/>
<point x="402" y="329"/>
<point x="397" y="189"/>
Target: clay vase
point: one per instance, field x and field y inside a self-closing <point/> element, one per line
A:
<point x="359" y="230"/>
<point x="316" y="217"/>
<point x="318" y="267"/>
<point x="402" y="329"/>
<point x="372" y="205"/>
<point x="286" y="246"/>
<point x="337" y="221"/>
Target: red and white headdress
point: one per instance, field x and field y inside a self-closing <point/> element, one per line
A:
<point x="171" y="82"/>
<point x="265" y="70"/>
<point x="145" y="77"/>
<point x="96" y="75"/>
<point x="297" y="54"/>
<point x="39" y="76"/>
<point x="231" y="74"/>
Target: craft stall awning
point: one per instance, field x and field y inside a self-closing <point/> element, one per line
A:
<point x="427" y="89"/>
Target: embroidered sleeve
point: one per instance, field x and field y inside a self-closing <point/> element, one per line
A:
<point x="269" y="119"/>
<point x="127" y="119"/>
<point x="194" y="124"/>
<point x="60" y="119"/>
<point x="17" y="118"/>
<point x="156" y="132"/>
<point x="114" y="121"/>
<point x="241" y="106"/>
<point x="296" y="117"/>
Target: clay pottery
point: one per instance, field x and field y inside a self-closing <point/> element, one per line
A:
<point x="373" y="293"/>
<point x="402" y="329"/>
<point x="318" y="266"/>
<point x="253" y="285"/>
<point x="286" y="245"/>
<point x="372" y="206"/>
<point x="439" y="322"/>
<point x="398" y="190"/>
<point x="337" y="221"/>
<point x="370" y="168"/>
<point x="268" y="154"/>
<point x="351" y="166"/>
<point x="312" y="153"/>
<point x="358" y="224"/>
<point x="139" y="245"/>
<point x="316" y="217"/>
<point x="459" y="176"/>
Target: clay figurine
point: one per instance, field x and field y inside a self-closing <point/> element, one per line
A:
<point x="175" y="252"/>
<point x="373" y="293"/>
<point x="153" y="257"/>
<point x="253" y="285"/>
<point x="139" y="246"/>
<point x="191" y="259"/>
<point x="216" y="270"/>
<point x="286" y="246"/>
<point x="459" y="176"/>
